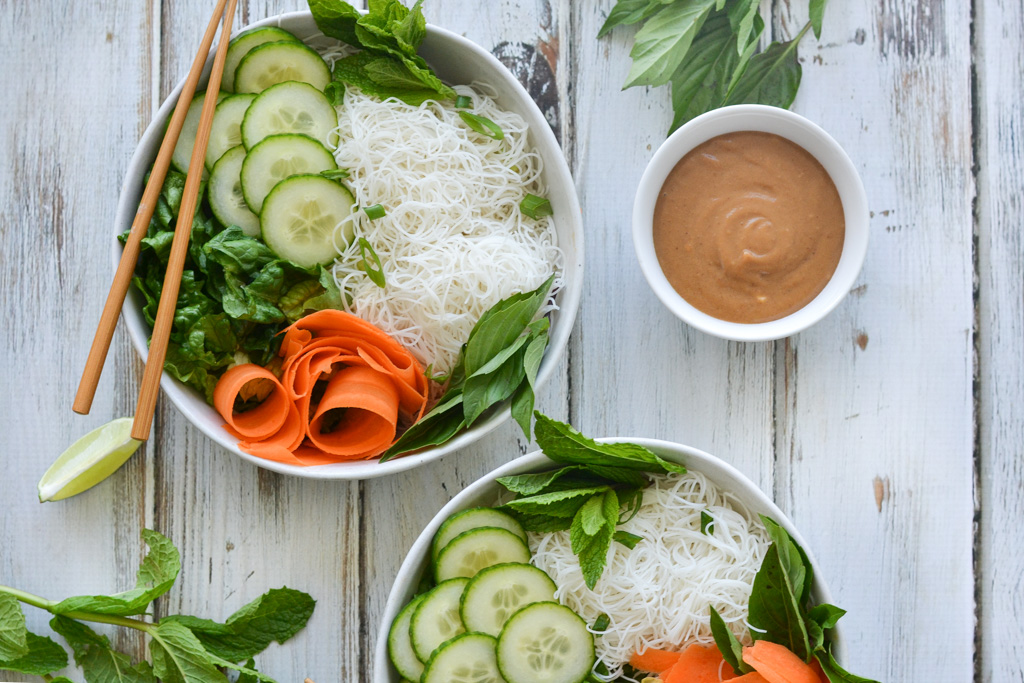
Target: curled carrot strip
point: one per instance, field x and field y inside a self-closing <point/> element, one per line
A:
<point x="370" y="386"/>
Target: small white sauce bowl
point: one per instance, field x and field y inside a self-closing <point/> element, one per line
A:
<point x="797" y="129"/>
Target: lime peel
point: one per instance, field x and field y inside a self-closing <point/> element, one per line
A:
<point x="88" y="461"/>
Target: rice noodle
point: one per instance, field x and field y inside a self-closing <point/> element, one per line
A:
<point x="453" y="242"/>
<point x="657" y="595"/>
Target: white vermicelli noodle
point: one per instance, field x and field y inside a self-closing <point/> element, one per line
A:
<point x="453" y="241"/>
<point x="658" y="594"/>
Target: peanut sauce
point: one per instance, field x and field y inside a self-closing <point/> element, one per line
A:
<point x="748" y="227"/>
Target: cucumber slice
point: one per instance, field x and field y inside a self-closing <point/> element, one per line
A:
<point x="182" y="154"/>
<point x="545" y="643"/>
<point x="289" y="108"/>
<point x="404" y="658"/>
<point x="436" y="618"/>
<point x="476" y="549"/>
<point x="473" y="518"/>
<point x="498" y="592"/>
<point x="278" y="157"/>
<point x="225" y="193"/>
<point x="242" y="43"/>
<point x="469" y="658"/>
<point x="273" y="63"/>
<point x="226" y="131"/>
<point x="301" y="219"/>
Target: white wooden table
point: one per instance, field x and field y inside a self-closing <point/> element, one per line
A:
<point x="891" y="433"/>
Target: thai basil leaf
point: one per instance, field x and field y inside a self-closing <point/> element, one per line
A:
<point x="661" y="45"/>
<point x="728" y="644"/>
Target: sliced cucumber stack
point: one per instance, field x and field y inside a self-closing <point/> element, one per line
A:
<point x="278" y="157"/>
<point x="272" y="63"/>
<point x="473" y="518"/>
<point x="496" y="593"/>
<point x="436" y="618"/>
<point x="477" y="549"/>
<point x="469" y="658"/>
<point x="545" y="643"/>
<point x="242" y="43"/>
<point x="225" y="193"/>
<point x="182" y="154"/>
<point x="400" y="643"/>
<point x="302" y="219"/>
<point x="226" y="131"/>
<point x="291" y="107"/>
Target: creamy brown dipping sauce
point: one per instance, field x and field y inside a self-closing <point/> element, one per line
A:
<point x="748" y="227"/>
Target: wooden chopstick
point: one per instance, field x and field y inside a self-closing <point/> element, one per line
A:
<point x="179" y="246"/>
<point x="126" y="267"/>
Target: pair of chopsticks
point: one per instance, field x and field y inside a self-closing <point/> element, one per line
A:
<point x="150" y="388"/>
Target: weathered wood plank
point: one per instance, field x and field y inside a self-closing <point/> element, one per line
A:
<point x="638" y="370"/>
<point x="1000" y="161"/>
<point x="875" y="402"/>
<point x="65" y="141"/>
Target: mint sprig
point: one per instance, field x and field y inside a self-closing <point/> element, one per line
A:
<point x="184" y="649"/>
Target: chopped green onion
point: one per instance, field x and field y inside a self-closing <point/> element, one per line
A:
<point x="463" y="102"/>
<point x="483" y="125"/>
<point x="374" y="212"/>
<point x="627" y="539"/>
<point x="366" y="252"/>
<point x="335" y="92"/>
<point x="535" y="207"/>
<point x="706" y="522"/>
<point x="335" y="174"/>
<point x="601" y="623"/>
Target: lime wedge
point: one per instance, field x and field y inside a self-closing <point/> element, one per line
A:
<point x="89" y="460"/>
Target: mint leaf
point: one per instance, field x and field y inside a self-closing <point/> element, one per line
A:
<point x="155" y="577"/>
<point x="336" y="19"/>
<point x="773" y="613"/>
<point x="562" y="443"/>
<point x="541" y="523"/>
<point x="179" y="657"/>
<point x="772" y="77"/>
<point x="93" y="653"/>
<point x="592" y="549"/>
<point x="836" y="673"/>
<point x="591" y="515"/>
<point x="42" y="657"/>
<point x="661" y="45"/>
<point x="246" y="672"/>
<point x="728" y="644"/>
<point x="569" y="477"/>
<point x="357" y="71"/>
<point x="276" y="615"/>
<point x="554" y="504"/>
<point x="250" y="676"/>
<point x="13" y="638"/>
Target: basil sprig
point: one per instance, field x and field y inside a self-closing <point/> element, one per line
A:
<point x="182" y="648"/>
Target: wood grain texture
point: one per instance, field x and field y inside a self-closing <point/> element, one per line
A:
<point x="999" y="145"/>
<point x="881" y="390"/>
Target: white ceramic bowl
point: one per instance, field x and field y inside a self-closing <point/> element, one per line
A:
<point x="456" y="60"/>
<point x="818" y="143"/>
<point x="485" y="491"/>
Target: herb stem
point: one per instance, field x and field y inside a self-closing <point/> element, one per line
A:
<point x="28" y="598"/>
<point x="127" y="622"/>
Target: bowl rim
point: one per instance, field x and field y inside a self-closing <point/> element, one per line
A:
<point x="787" y="124"/>
<point x="557" y="172"/>
<point x="715" y="468"/>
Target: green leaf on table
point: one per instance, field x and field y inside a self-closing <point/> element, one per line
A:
<point x="702" y="82"/>
<point x="562" y="443"/>
<point x="744" y="19"/>
<point x="179" y="657"/>
<point x="155" y="577"/>
<point x="836" y="673"/>
<point x="99" y="662"/>
<point x="816" y="10"/>
<point x="773" y="612"/>
<point x="772" y="77"/>
<point x="555" y="504"/>
<point x="277" y="615"/>
<point x="13" y="634"/>
<point x="247" y="671"/>
<point x="628" y="12"/>
<point x="592" y="548"/>
<point x="42" y="657"/>
<point x="661" y="45"/>
<point x="727" y="643"/>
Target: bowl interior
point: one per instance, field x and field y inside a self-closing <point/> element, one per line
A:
<point x="818" y="143"/>
<point x="456" y="60"/>
<point x="485" y="491"/>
